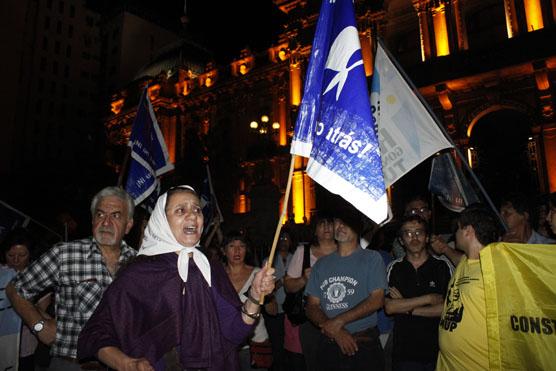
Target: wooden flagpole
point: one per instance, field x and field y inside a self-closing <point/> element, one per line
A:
<point x="281" y="220"/>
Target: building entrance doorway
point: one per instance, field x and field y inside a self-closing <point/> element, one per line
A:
<point x="504" y="153"/>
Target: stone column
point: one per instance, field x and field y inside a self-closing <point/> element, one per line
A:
<point x="511" y="18"/>
<point x="549" y="144"/>
<point x="533" y="15"/>
<point x="295" y="83"/>
<point x="283" y="120"/>
<point x="367" y="50"/>
<point x="440" y="25"/>
<point x="424" y="34"/>
<point x="461" y="30"/>
<point x="298" y="189"/>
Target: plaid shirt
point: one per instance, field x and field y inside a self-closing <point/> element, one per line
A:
<point x="79" y="276"/>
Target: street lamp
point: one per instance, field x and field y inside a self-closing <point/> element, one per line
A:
<point x="264" y="125"/>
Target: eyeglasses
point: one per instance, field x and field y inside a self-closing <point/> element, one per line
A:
<point x="416" y="211"/>
<point x="416" y="233"/>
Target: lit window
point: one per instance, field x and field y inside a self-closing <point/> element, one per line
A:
<point x="243" y="69"/>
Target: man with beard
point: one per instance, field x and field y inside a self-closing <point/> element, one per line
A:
<point x="418" y="284"/>
<point x="344" y="292"/>
<point x="79" y="272"/>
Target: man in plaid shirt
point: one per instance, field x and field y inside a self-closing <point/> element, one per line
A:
<point x="79" y="271"/>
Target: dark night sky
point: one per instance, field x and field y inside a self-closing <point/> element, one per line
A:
<point x="229" y="26"/>
<point x="225" y="27"/>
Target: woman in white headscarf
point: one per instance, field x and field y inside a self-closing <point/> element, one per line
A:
<point x="172" y="297"/>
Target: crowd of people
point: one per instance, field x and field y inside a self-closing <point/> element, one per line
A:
<point x="384" y="298"/>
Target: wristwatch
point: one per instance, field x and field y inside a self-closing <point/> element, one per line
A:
<point x="38" y="327"/>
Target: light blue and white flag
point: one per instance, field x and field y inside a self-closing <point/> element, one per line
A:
<point x="407" y="132"/>
<point x="149" y="155"/>
<point x="334" y="127"/>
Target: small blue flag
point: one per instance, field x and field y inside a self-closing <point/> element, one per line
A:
<point x="149" y="155"/>
<point x="206" y="203"/>
<point x="335" y="126"/>
<point x="449" y="184"/>
<point x="211" y="211"/>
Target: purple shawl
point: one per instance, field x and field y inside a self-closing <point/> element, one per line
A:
<point x="148" y="310"/>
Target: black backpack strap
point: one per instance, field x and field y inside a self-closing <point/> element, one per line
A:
<point x="306" y="258"/>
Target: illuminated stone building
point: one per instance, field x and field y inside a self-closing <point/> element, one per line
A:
<point x="486" y="67"/>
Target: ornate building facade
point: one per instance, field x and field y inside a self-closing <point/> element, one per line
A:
<point x="487" y="69"/>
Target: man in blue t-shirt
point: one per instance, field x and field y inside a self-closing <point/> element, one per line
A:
<point x="344" y="291"/>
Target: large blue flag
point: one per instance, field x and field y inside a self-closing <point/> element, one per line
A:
<point x="149" y="155"/>
<point x="334" y="127"/>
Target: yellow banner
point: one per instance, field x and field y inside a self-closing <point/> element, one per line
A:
<point x="520" y="292"/>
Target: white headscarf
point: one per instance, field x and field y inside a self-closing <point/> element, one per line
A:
<point x="159" y="239"/>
